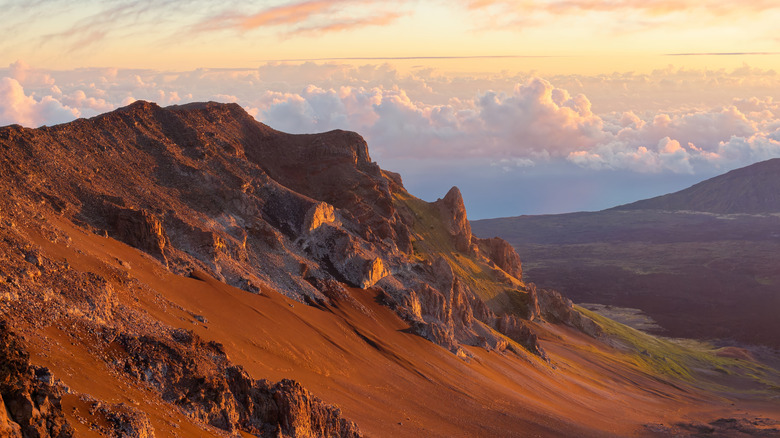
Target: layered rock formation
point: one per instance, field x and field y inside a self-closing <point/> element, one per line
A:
<point x="207" y="191"/>
<point x="453" y="214"/>
<point x="205" y="186"/>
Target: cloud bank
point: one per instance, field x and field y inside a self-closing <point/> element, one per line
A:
<point x="671" y="122"/>
<point x="415" y="116"/>
<point x="17" y="107"/>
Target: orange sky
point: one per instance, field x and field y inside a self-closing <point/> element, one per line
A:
<point x="589" y="103"/>
<point x="623" y="35"/>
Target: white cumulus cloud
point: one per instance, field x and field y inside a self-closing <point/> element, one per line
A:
<point x="670" y="121"/>
<point x="18" y="107"/>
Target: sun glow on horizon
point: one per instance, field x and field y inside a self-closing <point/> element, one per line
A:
<point x="651" y="90"/>
<point x="145" y="34"/>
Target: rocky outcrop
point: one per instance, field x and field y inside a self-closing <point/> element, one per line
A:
<point x="519" y="331"/>
<point x="500" y="252"/>
<point x="121" y="420"/>
<point x="525" y="302"/>
<point x="444" y="310"/>
<point x="319" y="214"/>
<point x="31" y="399"/>
<point x="205" y="187"/>
<point x="198" y="378"/>
<point x="302" y="415"/>
<point x="140" y="229"/>
<point x="559" y="309"/>
<point x="345" y="256"/>
<point x="554" y="306"/>
<point x="373" y="271"/>
<point x="453" y="213"/>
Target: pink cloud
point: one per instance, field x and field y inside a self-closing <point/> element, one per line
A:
<point x="308" y="17"/>
<point x="621" y="17"/>
<point x="652" y="7"/>
<point x="287" y="14"/>
<point x="427" y="115"/>
<point x="17" y="107"/>
<point x="349" y="24"/>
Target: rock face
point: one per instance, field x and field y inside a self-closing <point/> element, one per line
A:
<point x="198" y="378"/>
<point x="140" y="229"/>
<point x="502" y="254"/>
<point x="206" y="187"/>
<point x="453" y="213"/>
<point x="30" y="403"/>
<point x="317" y="215"/>
<point x="557" y="308"/>
<point x="209" y="191"/>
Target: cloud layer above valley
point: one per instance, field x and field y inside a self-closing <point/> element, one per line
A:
<point x="668" y="122"/>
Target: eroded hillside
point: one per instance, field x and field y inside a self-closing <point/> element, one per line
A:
<point x="159" y="264"/>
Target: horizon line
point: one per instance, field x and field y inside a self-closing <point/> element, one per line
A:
<point x="401" y="58"/>
<point x="721" y="53"/>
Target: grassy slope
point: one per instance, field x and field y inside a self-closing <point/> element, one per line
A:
<point x="430" y="239"/>
<point x="694" y="362"/>
<point x="667" y="264"/>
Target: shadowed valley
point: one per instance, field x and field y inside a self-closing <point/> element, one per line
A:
<point x="703" y="262"/>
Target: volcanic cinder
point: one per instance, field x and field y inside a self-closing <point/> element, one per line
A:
<point x="188" y="271"/>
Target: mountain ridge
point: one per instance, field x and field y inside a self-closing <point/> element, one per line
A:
<point x="158" y="264"/>
<point x="701" y="262"/>
<point x="749" y="190"/>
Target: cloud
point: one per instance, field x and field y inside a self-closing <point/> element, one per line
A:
<point x="535" y="123"/>
<point x="17" y="107"/>
<point x="628" y="17"/>
<point x="81" y="26"/>
<point x="539" y="118"/>
<point x="339" y="25"/>
<point x="308" y="17"/>
<point x="671" y="121"/>
<point x="287" y="14"/>
<point x="650" y="7"/>
<point x="666" y="155"/>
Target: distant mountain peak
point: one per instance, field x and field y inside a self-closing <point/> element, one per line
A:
<point x="750" y="190"/>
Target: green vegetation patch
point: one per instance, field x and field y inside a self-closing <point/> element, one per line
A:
<point x="431" y="240"/>
<point x="693" y="361"/>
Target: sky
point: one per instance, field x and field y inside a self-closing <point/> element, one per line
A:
<point x="529" y="107"/>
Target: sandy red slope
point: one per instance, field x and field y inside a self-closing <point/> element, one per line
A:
<point x="358" y="356"/>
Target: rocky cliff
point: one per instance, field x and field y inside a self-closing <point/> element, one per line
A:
<point x="207" y="191"/>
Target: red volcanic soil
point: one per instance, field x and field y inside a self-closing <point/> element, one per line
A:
<point x="358" y="355"/>
<point x="188" y="271"/>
